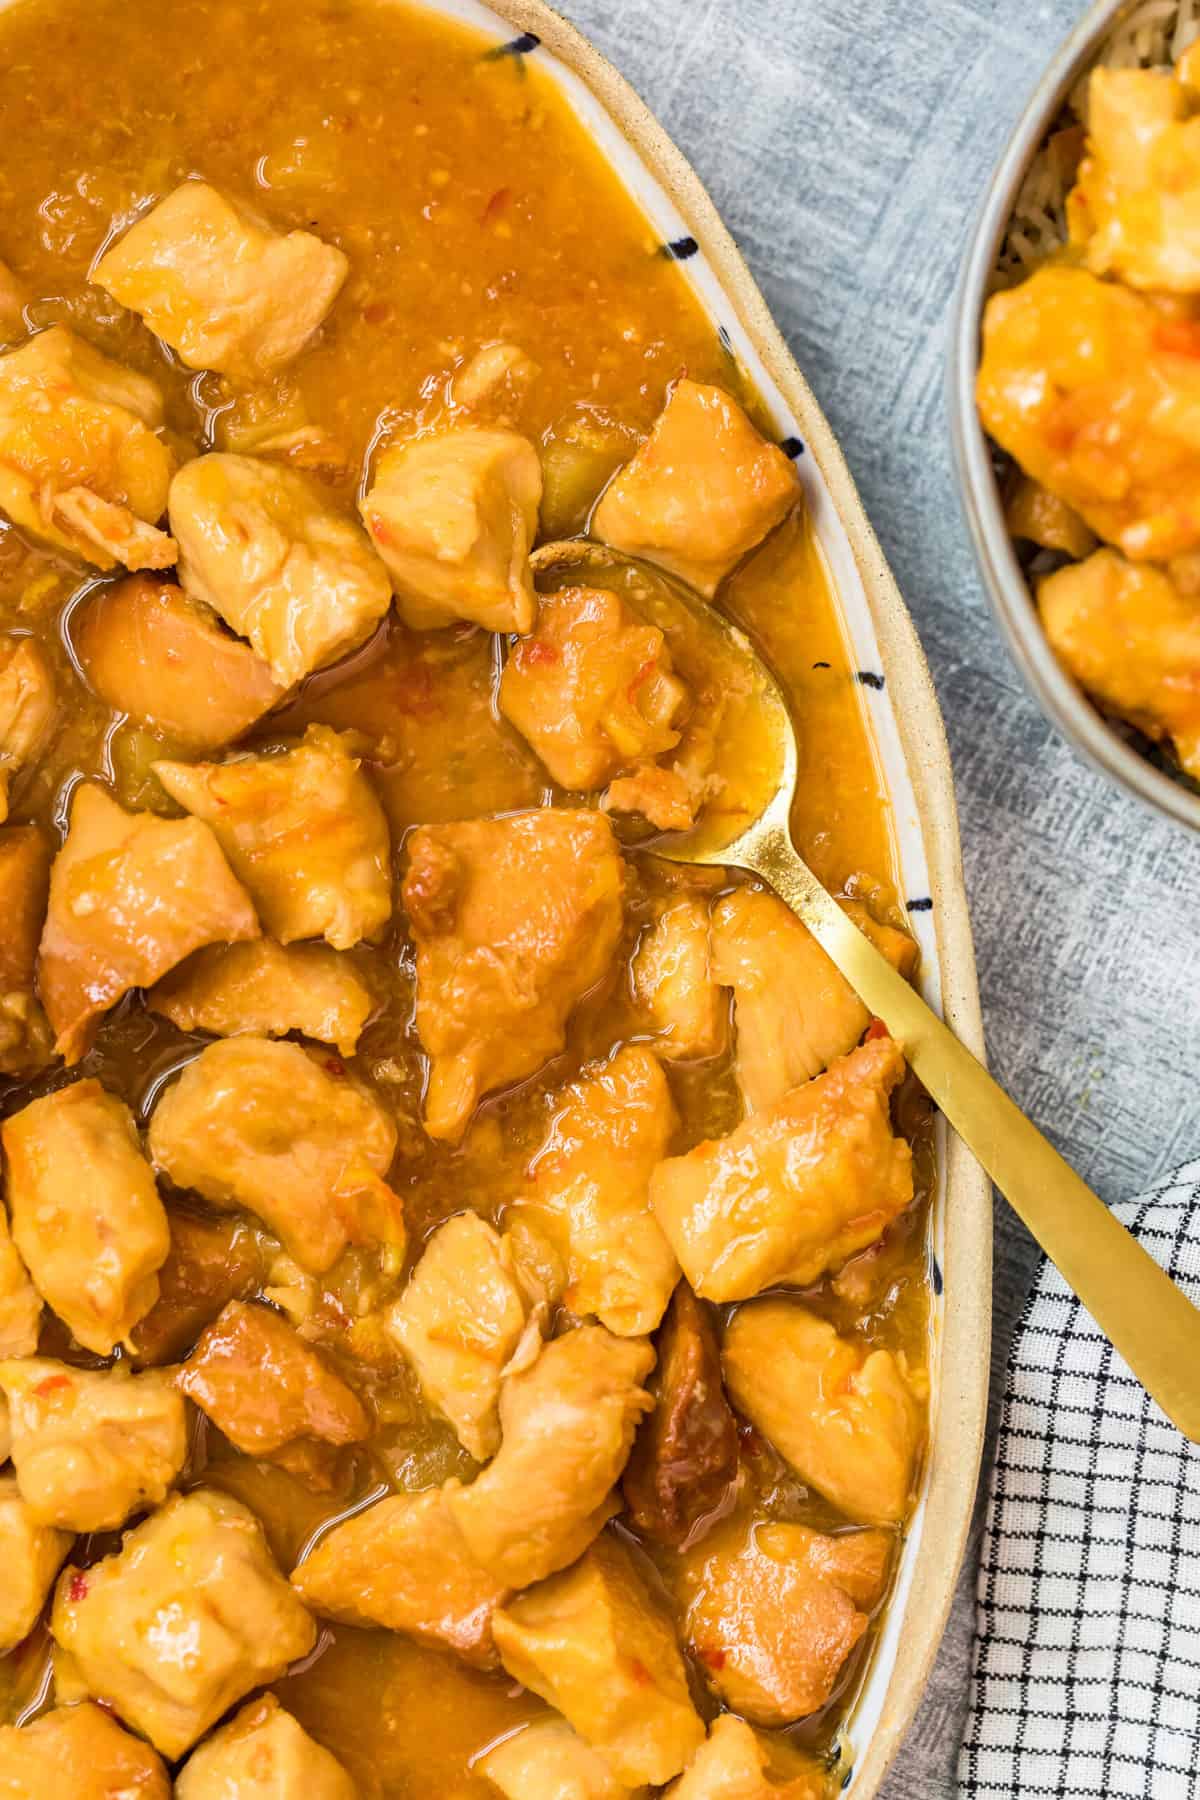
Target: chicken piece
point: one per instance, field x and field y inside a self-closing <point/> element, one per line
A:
<point x="262" y="546"/>
<point x="130" y="896"/>
<point x="186" y="1617"/>
<point x="592" y="690"/>
<point x="597" y="1644"/>
<point x="843" y="1415"/>
<point x="149" y="650"/>
<point x="567" y="1423"/>
<point x="267" y="990"/>
<point x="404" y="1564"/>
<point x="221" y="288"/>
<point x="77" y="428"/>
<point x="514" y="920"/>
<point x="20" y="1302"/>
<point x="675" y="986"/>
<point x="304" y="831"/>
<point x="1095" y="391"/>
<point x="453" y="515"/>
<point x="796" y="1189"/>
<point x="737" y="1764"/>
<point x="495" y="380"/>
<point x="684" y="1464"/>
<point x="32" y="1555"/>
<point x="459" y="1321"/>
<point x="210" y="1262"/>
<point x="793" y="1009"/>
<point x="90" y="1448"/>
<point x="1033" y="512"/>
<point x="589" y="1186"/>
<point x="81" y="1752"/>
<point x="13" y="299"/>
<point x="25" y="1036"/>
<point x="1135" y="209"/>
<point x="28" y="710"/>
<point x="285" y="1134"/>
<point x="773" y="1612"/>
<point x="263" y="1754"/>
<point x="548" y="1761"/>
<point x="702" y="491"/>
<point x="1132" y="640"/>
<point x="86" y="1216"/>
<point x="265" y="1388"/>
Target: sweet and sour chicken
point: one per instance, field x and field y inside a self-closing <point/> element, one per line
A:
<point x="400" y="1162"/>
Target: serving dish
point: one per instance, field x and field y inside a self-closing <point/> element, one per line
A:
<point x="910" y="746"/>
<point x="981" y="471"/>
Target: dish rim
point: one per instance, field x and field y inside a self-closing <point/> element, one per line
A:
<point x="1061" y="700"/>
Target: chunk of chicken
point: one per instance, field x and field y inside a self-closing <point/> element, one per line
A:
<point x="684" y="1463"/>
<point x="265" y="1388"/>
<point x="1135" y="210"/>
<point x="702" y="491"/>
<point x="262" y="546"/>
<point x="221" y="288"/>
<point x="1132" y="640"/>
<point x="20" y="1302"/>
<point x="186" y="1617"/>
<point x="151" y="651"/>
<point x="773" y="1611"/>
<point x="287" y="1135"/>
<point x="592" y="691"/>
<point x="567" y="1423"/>
<point x="495" y="380"/>
<point x="737" y="1764"/>
<point x="404" y="1564"/>
<point x="459" y="1321"/>
<point x="86" y="1216"/>
<point x="263" y="1754"/>
<point x="304" y="831"/>
<point x="453" y="516"/>
<point x="596" y="1643"/>
<point x="130" y="896"/>
<point x="268" y="990"/>
<point x="675" y="984"/>
<point x="794" y="1011"/>
<point x="90" y="1448"/>
<point x="843" y="1415"/>
<point x="28" y="710"/>
<point x="548" y="1761"/>
<point x="32" y="1554"/>
<point x="25" y="1036"/>
<point x="1095" y="391"/>
<point x="82" y="466"/>
<point x="590" y="1184"/>
<point x="514" y="919"/>
<point x="796" y="1189"/>
<point x="210" y="1262"/>
<point x="80" y="1751"/>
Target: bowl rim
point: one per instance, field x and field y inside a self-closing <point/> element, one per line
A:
<point x="1060" y="698"/>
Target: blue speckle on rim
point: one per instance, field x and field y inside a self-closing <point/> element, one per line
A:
<point x="726" y="340"/>
<point x="791" y="447"/>
<point x="924" y="904"/>
<point x="935" y="1274"/>
<point x="518" y="46"/>
<point x="822" y="665"/>
<point x="680" y="249"/>
<point x="847" y="1778"/>
<point x="869" y="678"/>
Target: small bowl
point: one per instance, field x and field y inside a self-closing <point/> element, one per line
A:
<point x="1060" y="698"/>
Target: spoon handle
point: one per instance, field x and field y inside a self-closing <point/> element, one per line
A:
<point x="1145" y="1316"/>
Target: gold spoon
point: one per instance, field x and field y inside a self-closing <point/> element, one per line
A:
<point x="1146" y="1317"/>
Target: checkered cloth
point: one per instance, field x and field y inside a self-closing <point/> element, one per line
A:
<point x="1086" y="1676"/>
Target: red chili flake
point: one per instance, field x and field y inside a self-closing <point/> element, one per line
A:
<point x="1179" y="337"/>
<point x="534" y="651"/>
<point x="495" y="205"/>
<point x="380" y="532"/>
<point x="876" y="1029"/>
<point x="333" y="1065"/>
<point x="715" y="1659"/>
<point x="377" y="313"/>
<point x="644" y="673"/>
<point x="77" y="1586"/>
<point x="641" y="1673"/>
<point x="51" y="1385"/>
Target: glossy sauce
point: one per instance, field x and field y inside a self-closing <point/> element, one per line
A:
<point x="472" y="208"/>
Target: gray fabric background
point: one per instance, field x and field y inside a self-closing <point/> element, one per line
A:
<point x="847" y="146"/>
